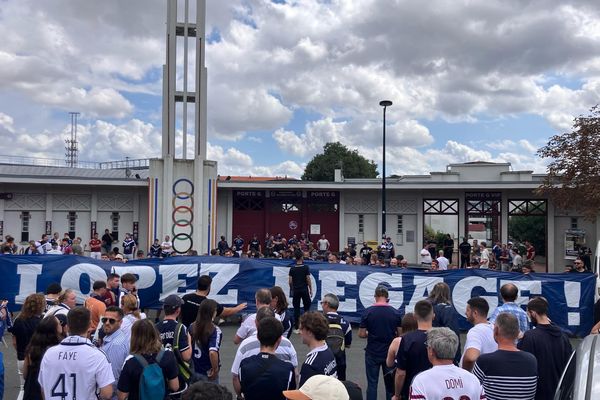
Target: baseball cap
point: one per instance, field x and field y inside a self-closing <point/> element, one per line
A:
<point x="173" y="301"/>
<point x="319" y="387"/>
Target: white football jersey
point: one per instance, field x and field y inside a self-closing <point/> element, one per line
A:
<point x="74" y="370"/>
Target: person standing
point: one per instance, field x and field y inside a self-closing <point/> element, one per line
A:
<point x="550" y="346"/>
<point x="129" y="247"/>
<point x="480" y="338"/>
<point x="146" y="349"/>
<point x="425" y="255"/>
<point x="262" y="297"/>
<point x="95" y="303"/>
<point x="222" y="246"/>
<point x="300" y="285"/>
<point x="379" y="324"/>
<point x="365" y="253"/>
<point x="484" y="256"/>
<point x="264" y="375"/>
<point x="339" y="337"/>
<point x="107" y="241"/>
<point x="95" y="247"/>
<point x="254" y="247"/>
<point x="319" y="360"/>
<point x="444" y="380"/>
<point x="115" y="343"/>
<point x="66" y="301"/>
<point x="112" y="292"/>
<point x="192" y="301"/>
<point x="280" y="305"/>
<point x="76" y="368"/>
<point x="443" y="311"/>
<point x="206" y="342"/>
<point x="238" y="245"/>
<point x="23" y="329"/>
<point x="509" y="293"/>
<point x="155" y="250"/>
<point x="465" y="253"/>
<point x="507" y="373"/>
<point x="412" y="356"/>
<point x="174" y="336"/>
<point x="323" y="245"/>
<point x="442" y="260"/>
<point x="128" y="286"/>
<point x="448" y="248"/>
<point x="48" y="333"/>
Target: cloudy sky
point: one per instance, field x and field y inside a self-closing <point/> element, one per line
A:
<point x="470" y="79"/>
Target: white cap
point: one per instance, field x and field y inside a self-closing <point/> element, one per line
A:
<point x="319" y="387"/>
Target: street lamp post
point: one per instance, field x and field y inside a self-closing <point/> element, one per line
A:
<point x="385" y="104"/>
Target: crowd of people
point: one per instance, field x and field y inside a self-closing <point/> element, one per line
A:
<point x="109" y="348"/>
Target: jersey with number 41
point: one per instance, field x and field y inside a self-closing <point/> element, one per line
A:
<point x="74" y="370"/>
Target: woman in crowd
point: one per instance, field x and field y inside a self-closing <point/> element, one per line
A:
<point x="206" y="341"/>
<point x="48" y="333"/>
<point x="146" y="348"/>
<point x="24" y="327"/>
<point x="444" y="312"/>
<point x="408" y="324"/>
<point x="129" y="304"/>
<point x="280" y="305"/>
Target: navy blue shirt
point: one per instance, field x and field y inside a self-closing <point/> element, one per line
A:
<point x="381" y="322"/>
<point x="201" y="352"/>
<point x="238" y="244"/>
<point x="128" y="246"/>
<point x="335" y="318"/>
<point x="412" y="357"/>
<point x="319" y="361"/>
<point x="264" y="376"/>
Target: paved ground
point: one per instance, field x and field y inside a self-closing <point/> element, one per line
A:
<point x="355" y="371"/>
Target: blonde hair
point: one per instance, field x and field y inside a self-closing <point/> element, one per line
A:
<point x="129" y="304"/>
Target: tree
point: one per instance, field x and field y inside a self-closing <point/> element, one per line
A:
<point x="336" y="155"/>
<point x="573" y="179"/>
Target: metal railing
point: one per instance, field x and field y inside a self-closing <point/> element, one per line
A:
<point x="141" y="163"/>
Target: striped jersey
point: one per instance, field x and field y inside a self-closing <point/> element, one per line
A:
<point x="507" y="374"/>
<point x="319" y="361"/>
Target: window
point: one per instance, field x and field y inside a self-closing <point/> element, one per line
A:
<point x="115" y="225"/>
<point x="361" y="223"/>
<point x="400" y="230"/>
<point x="574" y="223"/>
<point x="25" y="216"/>
<point x="72" y="219"/>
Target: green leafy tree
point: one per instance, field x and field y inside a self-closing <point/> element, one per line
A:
<point x="531" y="228"/>
<point x="573" y="179"/>
<point x="336" y="155"/>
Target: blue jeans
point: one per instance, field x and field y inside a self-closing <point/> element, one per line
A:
<point x="372" y="366"/>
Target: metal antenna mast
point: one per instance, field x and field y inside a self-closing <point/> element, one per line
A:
<point x="71" y="145"/>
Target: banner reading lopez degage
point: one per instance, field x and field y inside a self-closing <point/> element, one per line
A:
<point x="235" y="280"/>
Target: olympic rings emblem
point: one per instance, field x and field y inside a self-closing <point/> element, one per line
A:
<point x="183" y="214"/>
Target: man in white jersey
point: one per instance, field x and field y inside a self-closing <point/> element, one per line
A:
<point x="251" y="346"/>
<point x="248" y="327"/>
<point x="444" y="380"/>
<point x="480" y="338"/>
<point x="75" y="369"/>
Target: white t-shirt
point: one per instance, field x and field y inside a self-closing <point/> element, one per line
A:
<point x="517" y="260"/>
<point x="446" y="382"/>
<point x="251" y="347"/>
<point x="74" y="369"/>
<point x="425" y="256"/>
<point x="485" y="259"/>
<point x="480" y="337"/>
<point x="443" y="263"/>
<point x="248" y="327"/>
<point x="323" y="244"/>
<point x="167" y="247"/>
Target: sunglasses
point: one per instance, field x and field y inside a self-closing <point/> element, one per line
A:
<point x="109" y="320"/>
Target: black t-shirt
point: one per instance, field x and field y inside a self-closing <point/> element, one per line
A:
<point x="129" y="380"/>
<point x="189" y="309"/>
<point x="299" y="272"/>
<point x="254" y="244"/>
<point x="264" y="376"/>
<point x="381" y="322"/>
<point x="319" y="361"/>
<point x="464" y="248"/>
<point x="412" y="357"/>
<point x="22" y="330"/>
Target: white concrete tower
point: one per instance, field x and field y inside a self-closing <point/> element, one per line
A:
<point x="182" y="190"/>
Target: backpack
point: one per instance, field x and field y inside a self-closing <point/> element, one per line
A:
<point x="152" y="381"/>
<point x="185" y="370"/>
<point x="335" y="337"/>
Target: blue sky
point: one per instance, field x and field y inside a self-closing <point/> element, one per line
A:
<point x="470" y="80"/>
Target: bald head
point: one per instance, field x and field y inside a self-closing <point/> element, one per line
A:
<point x="509" y="292"/>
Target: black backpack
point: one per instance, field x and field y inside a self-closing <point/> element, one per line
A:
<point x="336" y="336"/>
